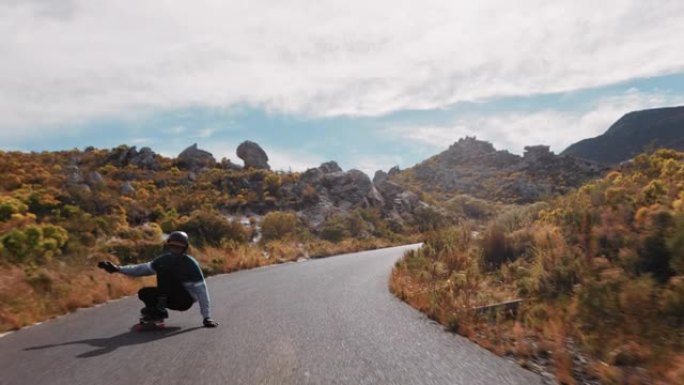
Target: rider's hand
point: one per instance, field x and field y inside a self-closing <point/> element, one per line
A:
<point x="108" y="267"/>
<point x="210" y="323"/>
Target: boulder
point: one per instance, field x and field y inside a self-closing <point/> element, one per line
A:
<point x="311" y="176"/>
<point x="380" y="176"/>
<point x="123" y="156"/>
<point x="146" y="158"/>
<point x="394" y="171"/>
<point x="127" y="188"/>
<point x="397" y="199"/>
<point x="253" y="155"/>
<point x="84" y="188"/>
<point x="375" y="198"/>
<point x="329" y="167"/>
<point x="73" y="174"/>
<point x="389" y="190"/>
<point x="95" y="179"/>
<point x="315" y="215"/>
<point x="352" y="186"/>
<point x="194" y="158"/>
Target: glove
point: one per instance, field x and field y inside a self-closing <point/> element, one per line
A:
<point x="108" y="267"/>
<point x="210" y="323"/>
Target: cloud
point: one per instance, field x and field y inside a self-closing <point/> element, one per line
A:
<point x="80" y="60"/>
<point x="292" y="160"/>
<point x="205" y="133"/>
<point x="513" y="130"/>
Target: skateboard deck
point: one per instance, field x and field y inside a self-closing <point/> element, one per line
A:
<point x="149" y="326"/>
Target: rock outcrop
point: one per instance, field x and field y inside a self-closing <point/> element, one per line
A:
<point x="476" y="168"/>
<point x="380" y="176"/>
<point x="123" y="156"/>
<point x="194" y="158"/>
<point x="73" y="175"/>
<point x="339" y="192"/>
<point x="253" y="155"/>
<point x="127" y="189"/>
<point x="95" y="179"/>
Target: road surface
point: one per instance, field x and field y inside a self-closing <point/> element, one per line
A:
<point x="327" y="321"/>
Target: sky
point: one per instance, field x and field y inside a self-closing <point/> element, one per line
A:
<point x="370" y="84"/>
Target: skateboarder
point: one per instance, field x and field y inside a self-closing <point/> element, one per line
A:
<point x="179" y="281"/>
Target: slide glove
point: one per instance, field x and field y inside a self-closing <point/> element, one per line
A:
<point x="108" y="267"/>
<point x="210" y="323"/>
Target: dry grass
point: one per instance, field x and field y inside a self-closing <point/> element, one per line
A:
<point x="33" y="296"/>
<point x="557" y="334"/>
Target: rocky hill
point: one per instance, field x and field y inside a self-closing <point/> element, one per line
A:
<point x="476" y="168"/>
<point x="147" y="187"/>
<point x="632" y="134"/>
<point x="600" y="272"/>
<point x="61" y="212"/>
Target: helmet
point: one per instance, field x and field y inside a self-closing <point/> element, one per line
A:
<point x="178" y="238"/>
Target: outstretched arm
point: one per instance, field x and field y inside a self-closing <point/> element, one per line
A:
<point x="132" y="270"/>
<point x="137" y="270"/>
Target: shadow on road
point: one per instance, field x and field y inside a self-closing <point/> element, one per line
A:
<point x="108" y="345"/>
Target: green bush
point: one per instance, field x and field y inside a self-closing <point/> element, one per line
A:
<point x="334" y="229"/>
<point x="470" y="207"/>
<point x="278" y="224"/>
<point x="211" y="229"/>
<point x="496" y="249"/>
<point x="10" y="206"/>
<point x="429" y="219"/>
<point x="34" y="243"/>
<point x="16" y="245"/>
<point x="133" y="252"/>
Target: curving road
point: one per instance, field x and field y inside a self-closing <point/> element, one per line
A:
<point x="328" y="321"/>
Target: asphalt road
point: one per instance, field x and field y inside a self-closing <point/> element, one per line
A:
<point x="328" y="321"/>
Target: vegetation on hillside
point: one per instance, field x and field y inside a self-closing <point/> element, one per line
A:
<point x="474" y="167"/>
<point x="61" y="212"/>
<point x="600" y="273"/>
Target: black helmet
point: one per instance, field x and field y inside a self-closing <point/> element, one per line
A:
<point x="178" y="238"/>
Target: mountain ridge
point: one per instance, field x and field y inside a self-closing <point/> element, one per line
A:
<point x="474" y="167"/>
<point x="632" y="134"/>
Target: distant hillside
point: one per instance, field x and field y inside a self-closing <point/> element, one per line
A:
<point x="476" y="168"/>
<point x="600" y="272"/>
<point x="632" y="134"/>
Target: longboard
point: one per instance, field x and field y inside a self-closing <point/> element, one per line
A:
<point x="144" y="326"/>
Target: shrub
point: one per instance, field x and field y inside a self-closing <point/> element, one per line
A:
<point x="334" y="229"/>
<point x="496" y="249"/>
<point x="470" y="207"/>
<point x="278" y="224"/>
<point x="10" y="206"/>
<point x="273" y="183"/>
<point x="16" y="245"/>
<point x="655" y="258"/>
<point x="673" y="301"/>
<point x="207" y="228"/>
<point x="133" y="252"/>
<point x="34" y="243"/>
